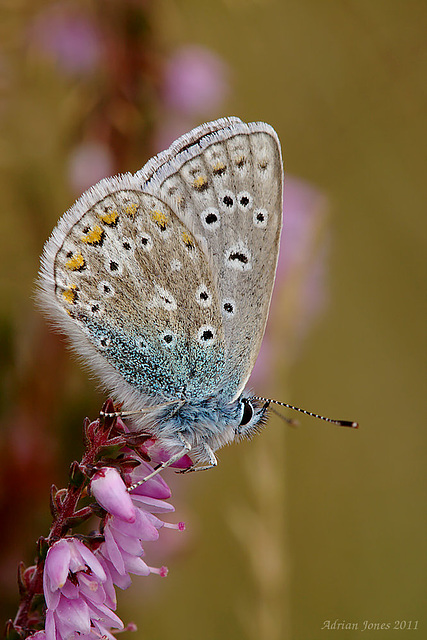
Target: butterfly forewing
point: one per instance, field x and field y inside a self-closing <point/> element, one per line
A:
<point x="227" y="187"/>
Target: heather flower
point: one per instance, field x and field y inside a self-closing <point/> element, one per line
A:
<point x="162" y="455"/>
<point x="305" y="207"/>
<point x="68" y="37"/>
<point x="73" y="588"/>
<point x="151" y="450"/>
<point x="195" y="81"/>
<point x="79" y="579"/>
<point x="121" y="553"/>
<point x="110" y="492"/>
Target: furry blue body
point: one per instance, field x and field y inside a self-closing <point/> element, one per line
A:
<point x="212" y="422"/>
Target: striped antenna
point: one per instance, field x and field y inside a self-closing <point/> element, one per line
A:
<point x="341" y="423"/>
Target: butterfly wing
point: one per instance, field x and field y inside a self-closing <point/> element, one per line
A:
<point x="162" y="280"/>
<point x="133" y="290"/>
<point x="225" y="182"/>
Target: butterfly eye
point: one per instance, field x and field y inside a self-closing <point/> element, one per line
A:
<point x="248" y="412"/>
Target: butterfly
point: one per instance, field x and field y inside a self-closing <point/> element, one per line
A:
<point x="162" y="282"/>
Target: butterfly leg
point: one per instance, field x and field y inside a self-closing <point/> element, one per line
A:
<point x="162" y="465"/>
<point x="212" y="461"/>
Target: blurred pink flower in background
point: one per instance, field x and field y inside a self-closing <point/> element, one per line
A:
<point x="88" y="163"/>
<point x="195" y="81"/>
<point x="304" y="206"/>
<point x="305" y="241"/>
<point x="68" y="37"/>
<point x="302" y="260"/>
<point x="195" y="85"/>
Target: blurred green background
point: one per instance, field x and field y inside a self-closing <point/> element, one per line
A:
<point x="300" y="526"/>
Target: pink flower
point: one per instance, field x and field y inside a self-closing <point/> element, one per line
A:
<point x="302" y="258"/>
<point x="304" y="208"/>
<point x="110" y="492"/>
<point x="68" y="37"/>
<point x="121" y="553"/>
<point x="195" y="81"/>
<point x="155" y="487"/>
<point x="73" y="586"/>
<point x="161" y="455"/>
<point x="78" y="583"/>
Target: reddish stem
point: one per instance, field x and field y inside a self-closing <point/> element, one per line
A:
<point x="66" y="510"/>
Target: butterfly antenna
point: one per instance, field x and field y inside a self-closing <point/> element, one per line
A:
<point x="340" y="423"/>
<point x="289" y="421"/>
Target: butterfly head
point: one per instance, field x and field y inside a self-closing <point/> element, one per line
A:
<point x="213" y="421"/>
<point x="253" y="416"/>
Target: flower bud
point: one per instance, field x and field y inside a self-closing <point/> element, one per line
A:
<point x="110" y="492"/>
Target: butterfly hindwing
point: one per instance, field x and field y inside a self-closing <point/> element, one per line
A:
<point x="131" y="286"/>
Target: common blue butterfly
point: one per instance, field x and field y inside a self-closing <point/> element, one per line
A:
<point x="162" y="281"/>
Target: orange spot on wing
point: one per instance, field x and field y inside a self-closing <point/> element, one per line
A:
<point x="76" y="263"/>
<point x="131" y="209"/>
<point x="109" y="217"/>
<point x="200" y="183"/>
<point x="188" y="240"/>
<point x="160" y="219"/>
<point x="93" y="236"/>
<point x="70" y="294"/>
